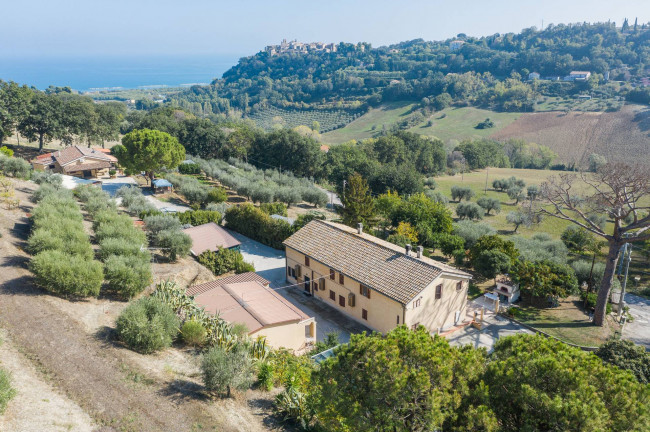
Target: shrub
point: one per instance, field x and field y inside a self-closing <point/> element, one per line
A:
<point x="436" y="196"/>
<point x="314" y="196"/>
<point x="127" y="275"/>
<point x="189" y="168"/>
<point x="46" y="190"/>
<point x="430" y="182"/>
<point x="459" y="193"/>
<point x="582" y="269"/>
<point x="449" y="244"/>
<point x="218" y="207"/>
<point x="15" y="167"/>
<point x="516" y="193"/>
<point x="489" y="204"/>
<point x="147" y="325"/>
<point x="193" y="333"/>
<point x="262" y="194"/>
<point x="194" y="193"/>
<point x="254" y="223"/>
<point x="223" y="370"/>
<point x="471" y="231"/>
<point x="288" y="196"/>
<point x="117" y="246"/>
<point x="277" y="208"/>
<point x="66" y="237"/>
<point x="121" y="227"/>
<point x="541" y="247"/>
<point x="217" y="195"/>
<point x="576" y="238"/>
<point x="156" y="224"/>
<point x="265" y="376"/>
<point x="6" y="151"/>
<point x="7" y="392"/>
<point x="469" y="210"/>
<point x="174" y="244"/>
<point x="65" y="274"/>
<point x="626" y="355"/>
<point x="48" y="177"/>
<point x="225" y="260"/>
<point x="199" y="217"/>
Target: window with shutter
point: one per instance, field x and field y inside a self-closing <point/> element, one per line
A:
<point x="397" y="319"/>
<point x="306" y="260"/>
<point x="459" y="286"/>
<point x="341" y="301"/>
<point x="341" y="278"/>
<point x="364" y="291"/>
<point x="439" y="292"/>
<point x="332" y="295"/>
<point x="332" y="274"/>
<point x="364" y="314"/>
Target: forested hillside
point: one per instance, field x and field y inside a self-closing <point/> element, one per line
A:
<point x="489" y="72"/>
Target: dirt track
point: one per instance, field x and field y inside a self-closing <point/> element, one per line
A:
<point x="90" y="368"/>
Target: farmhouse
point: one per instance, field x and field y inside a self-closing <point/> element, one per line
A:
<point x="76" y="161"/>
<point x="533" y="76"/>
<point x="210" y="237"/>
<point x="372" y="281"/>
<point x="577" y="76"/>
<point x="247" y="299"/>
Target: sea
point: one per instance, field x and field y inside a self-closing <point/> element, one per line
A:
<point x="93" y="73"/>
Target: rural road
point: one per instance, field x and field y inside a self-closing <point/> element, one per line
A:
<point x="332" y="198"/>
<point x="638" y="330"/>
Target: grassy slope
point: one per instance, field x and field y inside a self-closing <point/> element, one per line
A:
<point x="458" y="123"/>
<point x="361" y="128"/>
<point x="476" y="180"/>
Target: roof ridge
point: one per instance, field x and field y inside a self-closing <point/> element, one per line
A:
<point x="414" y="259"/>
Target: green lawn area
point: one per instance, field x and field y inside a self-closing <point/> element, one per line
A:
<point x="476" y="181"/>
<point x="460" y="123"/>
<point x="361" y="128"/>
<point x="568" y="322"/>
<point x="448" y="124"/>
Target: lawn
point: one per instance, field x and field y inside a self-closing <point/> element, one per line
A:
<point x="362" y="127"/>
<point x="477" y="180"/>
<point x="567" y="322"/>
<point x="460" y="123"/>
<point x="448" y="124"/>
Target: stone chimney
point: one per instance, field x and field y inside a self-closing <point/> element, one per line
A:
<point x="359" y="228"/>
<point x="408" y="250"/>
<point x="420" y="251"/>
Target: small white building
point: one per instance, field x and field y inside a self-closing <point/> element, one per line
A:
<point x="455" y="45"/>
<point x="507" y="290"/>
<point x="533" y="76"/>
<point x="577" y="76"/>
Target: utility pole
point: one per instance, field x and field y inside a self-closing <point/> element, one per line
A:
<point x="345" y="182"/>
<point x="627" y="249"/>
<point x="487" y="172"/>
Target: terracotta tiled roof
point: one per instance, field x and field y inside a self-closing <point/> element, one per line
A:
<point x="373" y="262"/>
<point x="251" y="303"/>
<point x="72" y="153"/>
<point x="210" y="236"/>
<point x="243" y="277"/>
<point x="86" y="166"/>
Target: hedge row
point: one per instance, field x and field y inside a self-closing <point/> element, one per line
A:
<point x="224" y="261"/>
<point x="254" y="223"/>
<point x="127" y="266"/>
<point x="63" y="257"/>
<point x="133" y="200"/>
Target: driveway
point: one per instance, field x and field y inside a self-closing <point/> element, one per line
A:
<point x="332" y="198"/>
<point x="638" y="330"/>
<point x="112" y="185"/>
<point x="270" y="264"/>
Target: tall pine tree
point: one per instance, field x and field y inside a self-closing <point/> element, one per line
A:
<point x="358" y="205"/>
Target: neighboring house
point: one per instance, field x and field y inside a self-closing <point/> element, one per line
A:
<point x="456" y="45"/>
<point x="577" y="76"/>
<point x="161" y="186"/>
<point x="76" y="161"/>
<point x="507" y="290"/>
<point x="247" y="299"/>
<point x="211" y="237"/>
<point x="533" y="76"/>
<point x="375" y="282"/>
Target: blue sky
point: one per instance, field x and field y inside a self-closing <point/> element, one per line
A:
<point x="243" y="27"/>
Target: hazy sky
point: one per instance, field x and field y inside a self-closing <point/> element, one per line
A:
<point x="243" y="27"/>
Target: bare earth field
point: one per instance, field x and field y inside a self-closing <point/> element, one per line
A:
<point x="74" y="376"/>
<point x="622" y="135"/>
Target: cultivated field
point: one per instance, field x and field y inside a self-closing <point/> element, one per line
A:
<point x="622" y="135"/>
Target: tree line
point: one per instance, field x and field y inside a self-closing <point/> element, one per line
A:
<point x="57" y="113"/>
<point x="487" y="71"/>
